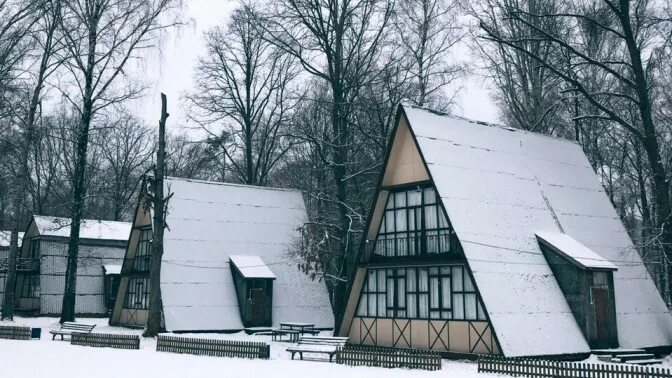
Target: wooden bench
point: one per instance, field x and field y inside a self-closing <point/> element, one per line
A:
<point x="68" y="328"/>
<point x="318" y="344"/>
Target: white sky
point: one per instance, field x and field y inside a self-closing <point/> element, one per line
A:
<point x="170" y="70"/>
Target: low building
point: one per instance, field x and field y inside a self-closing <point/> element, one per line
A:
<point x="5" y="238"/>
<point x="492" y="240"/>
<point x="227" y="262"/>
<point x="41" y="266"/>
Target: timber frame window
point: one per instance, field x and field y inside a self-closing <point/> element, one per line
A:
<point x="34" y="252"/>
<point x="137" y="294"/>
<point x="434" y="292"/>
<point x="413" y="224"/>
<point x="144" y="251"/>
<point x="31" y="286"/>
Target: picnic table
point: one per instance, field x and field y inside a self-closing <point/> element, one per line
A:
<point x="293" y="330"/>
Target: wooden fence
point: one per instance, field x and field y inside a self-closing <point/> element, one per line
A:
<point x="14" y="332"/>
<point x="557" y="369"/>
<point x="105" y="340"/>
<point x="211" y="347"/>
<point x="360" y="355"/>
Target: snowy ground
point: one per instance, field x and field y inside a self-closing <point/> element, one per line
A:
<point x="55" y="359"/>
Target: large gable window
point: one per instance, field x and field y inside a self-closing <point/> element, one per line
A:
<point x="435" y="292"/>
<point x="413" y="224"/>
<point x="144" y="251"/>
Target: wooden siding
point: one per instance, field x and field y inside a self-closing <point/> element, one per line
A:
<point x="458" y="336"/>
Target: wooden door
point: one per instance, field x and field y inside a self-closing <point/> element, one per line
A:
<point x="257" y="306"/>
<point x="602" y="308"/>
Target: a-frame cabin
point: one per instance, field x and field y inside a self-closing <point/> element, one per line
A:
<point x="227" y="262"/>
<point x="490" y="240"/>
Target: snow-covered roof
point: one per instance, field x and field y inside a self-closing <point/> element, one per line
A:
<point x="90" y="229"/>
<point x="5" y="238"/>
<point x="252" y="266"/>
<point x="575" y="252"/>
<point x="501" y="185"/>
<point x="210" y="222"/>
<point x="109" y="269"/>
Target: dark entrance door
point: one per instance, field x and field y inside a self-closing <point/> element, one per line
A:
<point x="257" y="307"/>
<point x="602" y="307"/>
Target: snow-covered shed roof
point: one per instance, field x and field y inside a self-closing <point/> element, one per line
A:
<point x="251" y="266"/>
<point x="109" y="269"/>
<point x="5" y="238"/>
<point x="577" y="253"/>
<point x="210" y="222"/>
<point x="90" y="229"/>
<point x="501" y="185"/>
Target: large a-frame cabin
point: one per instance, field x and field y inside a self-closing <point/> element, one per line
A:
<point x="490" y="240"/>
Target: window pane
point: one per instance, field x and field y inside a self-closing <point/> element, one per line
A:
<point x="402" y="245"/>
<point x="411" y="219"/>
<point x="481" y="312"/>
<point x="401" y="291"/>
<point x="457" y="278"/>
<point x="600" y="278"/>
<point x="458" y="306"/>
<point x="470" y="306"/>
<point x="400" y="199"/>
<point x="430" y="217"/>
<point x="435" y="314"/>
<point x="410" y="280"/>
<point x="430" y="196"/>
<point x="468" y="285"/>
<point x="390" y="292"/>
<point x="423" y="306"/>
<point x="411" y="305"/>
<point x="422" y="280"/>
<point x="443" y="222"/>
<point x="389" y="221"/>
<point x="381" y="280"/>
<point x="445" y="292"/>
<point x="372" y="305"/>
<point x="432" y="242"/>
<point x="400" y="216"/>
<point x="372" y="281"/>
<point x="390" y="201"/>
<point x="414" y="198"/>
<point x="381" y="230"/>
<point x="434" y="292"/>
<point x="382" y="305"/>
<point x="361" y="310"/>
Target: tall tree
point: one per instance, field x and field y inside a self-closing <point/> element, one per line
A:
<point x="101" y="36"/>
<point x="245" y="92"/>
<point x="47" y="38"/>
<point x="338" y="42"/>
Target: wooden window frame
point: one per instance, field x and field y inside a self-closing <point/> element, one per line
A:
<point x="141" y="261"/>
<point x="140" y="300"/>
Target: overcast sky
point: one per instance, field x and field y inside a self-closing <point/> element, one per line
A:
<point x="170" y="70"/>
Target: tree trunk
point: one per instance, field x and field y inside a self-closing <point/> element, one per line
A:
<point x="154" y="320"/>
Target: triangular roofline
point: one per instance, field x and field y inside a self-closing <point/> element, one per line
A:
<point x="401" y="112"/>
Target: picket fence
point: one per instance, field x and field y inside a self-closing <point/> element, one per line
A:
<point x="105" y="340"/>
<point x="359" y="355"/>
<point x="211" y="347"/>
<point x="559" y="369"/>
<point x="15" y="332"/>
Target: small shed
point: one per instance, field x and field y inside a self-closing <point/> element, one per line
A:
<point x="587" y="280"/>
<point x="253" y="280"/>
<point x="111" y="277"/>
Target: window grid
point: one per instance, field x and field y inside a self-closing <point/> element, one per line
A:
<point x="31" y="286"/>
<point x="413" y="223"/>
<point x="137" y="294"/>
<point x="437" y="292"/>
<point x="143" y="252"/>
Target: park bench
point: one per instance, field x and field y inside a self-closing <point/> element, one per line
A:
<point x="318" y="344"/>
<point x="67" y="328"/>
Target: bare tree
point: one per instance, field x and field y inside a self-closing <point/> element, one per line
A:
<point x="245" y="91"/>
<point x="47" y="38"/>
<point x="126" y="153"/>
<point x="428" y="30"/>
<point x="339" y="43"/>
<point x="101" y="37"/>
<point x="628" y="104"/>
